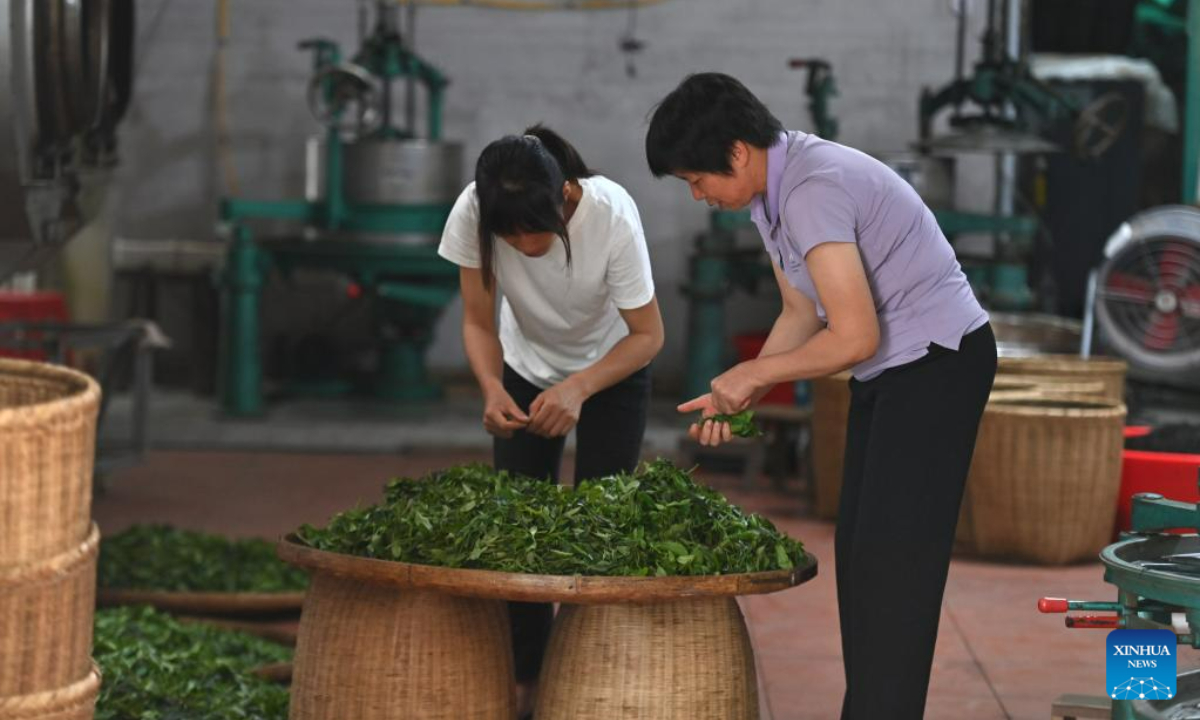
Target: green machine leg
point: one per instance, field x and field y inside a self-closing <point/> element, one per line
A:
<point x="241" y="394"/>
<point x="1191" y="117"/>
<point x="406" y="315"/>
<point x="706" y="318"/>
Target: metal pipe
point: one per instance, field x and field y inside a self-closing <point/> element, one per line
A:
<point x="961" y="43"/>
<point x="1191" y="118"/>
<point x="410" y="94"/>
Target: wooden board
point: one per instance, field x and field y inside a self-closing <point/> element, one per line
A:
<point x="204" y="603"/>
<point x="579" y="589"/>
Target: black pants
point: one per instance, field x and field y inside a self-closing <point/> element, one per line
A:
<point x="909" y="443"/>
<point x="608" y="440"/>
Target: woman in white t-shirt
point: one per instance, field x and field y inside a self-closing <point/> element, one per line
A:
<point x="579" y="322"/>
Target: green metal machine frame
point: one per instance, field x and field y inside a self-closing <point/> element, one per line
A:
<point x="408" y="285"/>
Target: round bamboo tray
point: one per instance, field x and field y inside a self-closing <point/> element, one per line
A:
<point x="46" y="615"/>
<point x="1049" y="369"/>
<point x="1045" y="477"/>
<point x="205" y="603"/>
<point x="47" y="443"/>
<point x="75" y="701"/>
<point x="831" y="410"/>
<point x="383" y="639"/>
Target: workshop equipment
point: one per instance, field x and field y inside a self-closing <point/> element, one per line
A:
<point x="993" y="111"/>
<point x="1157" y="576"/>
<point x="378" y="195"/>
<point x="65" y="81"/>
<point x="1146" y="295"/>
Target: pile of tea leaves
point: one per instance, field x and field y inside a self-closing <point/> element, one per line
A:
<point x="655" y="521"/>
<point x="160" y="557"/>
<point x="157" y="668"/>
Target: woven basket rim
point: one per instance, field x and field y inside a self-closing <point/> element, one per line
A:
<point x="1062" y="363"/>
<point x="85" y="394"/>
<point x="234" y="603"/>
<point x="35" y="705"/>
<point x="1042" y="405"/>
<point x="55" y="567"/>
<point x="577" y="589"/>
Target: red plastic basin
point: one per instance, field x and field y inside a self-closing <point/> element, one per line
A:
<point x="1172" y="475"/>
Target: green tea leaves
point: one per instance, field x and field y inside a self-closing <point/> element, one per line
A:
<point x="159" y="557"/>
<point x="741" y="425"/>
<point x="655" y="521"/>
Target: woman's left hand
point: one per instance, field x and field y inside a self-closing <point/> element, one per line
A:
<point x="734" y="390"/>
<point x="556" y="411"/>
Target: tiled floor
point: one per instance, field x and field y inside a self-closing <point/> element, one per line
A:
<point x="996" y="656"/>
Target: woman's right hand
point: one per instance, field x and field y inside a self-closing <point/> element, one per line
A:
<point x="501" y="414"/>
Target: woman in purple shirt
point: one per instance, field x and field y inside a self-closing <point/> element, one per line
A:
<point x="868" y="282"/>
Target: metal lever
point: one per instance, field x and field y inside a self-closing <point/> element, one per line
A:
<point x="1092" y="622"/>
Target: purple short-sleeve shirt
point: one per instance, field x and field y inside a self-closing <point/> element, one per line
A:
<point x="818" y="192"/>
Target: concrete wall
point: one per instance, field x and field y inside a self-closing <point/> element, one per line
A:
<point x="510" y="69"/>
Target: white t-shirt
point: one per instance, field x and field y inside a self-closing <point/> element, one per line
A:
<point x="555" y="320"/>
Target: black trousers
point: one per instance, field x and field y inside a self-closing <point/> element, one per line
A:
<point x="909" y="443"/>
<point x="608" y="440"/>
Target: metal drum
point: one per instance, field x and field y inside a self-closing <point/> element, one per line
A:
<point x="389" y="172"/>
<point x="403" y="172"/>
<point x="931" y="176"/>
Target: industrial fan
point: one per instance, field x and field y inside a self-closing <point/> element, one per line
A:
<point x="1147" y="295"/>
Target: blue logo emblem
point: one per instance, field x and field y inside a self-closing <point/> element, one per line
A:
<point x="1141" y="664"/>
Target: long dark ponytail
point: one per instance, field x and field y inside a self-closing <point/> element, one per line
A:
<point x="519" y="182"/>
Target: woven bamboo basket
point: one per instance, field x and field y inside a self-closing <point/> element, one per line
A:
<point x="831" y="409"/>
<point x="1051" y="369"/>
<point x="689" y="659"/>
<point x="1022" y="387"/>
<point x="47" y="444"/>
<point x="372" y="652"/>
<point x="1045" y="477"/>
<point x="74" y="701"/>
<point x="46" y="614"/>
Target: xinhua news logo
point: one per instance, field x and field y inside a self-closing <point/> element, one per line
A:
<point x="1141" y="664"/>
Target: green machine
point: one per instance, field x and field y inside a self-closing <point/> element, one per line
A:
<point x="378" y="196"/>
<point x="993" y="111"/>
<point x="1157" y="575"/>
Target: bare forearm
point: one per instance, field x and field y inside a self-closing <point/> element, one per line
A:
<point x="632" y="353"/>
<point x="790" y="331"/>
<point x="485" y="356"/>
<point x="823" y="354"/>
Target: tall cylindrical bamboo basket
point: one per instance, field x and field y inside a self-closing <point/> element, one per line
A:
<point x="47" y="447"/>
<point x="46" y="613"/>
<point x="375" y="652"/>
<point x="1050" y="369"/>
<point x="1021" y="387"/>
<point x="685" y="660"/>
<point x="831" y="410"/>
<point x="76" y="701"/>
<point x="1045" y="477"/>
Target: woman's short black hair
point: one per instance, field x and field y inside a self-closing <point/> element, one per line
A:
<point x="695" y="126"/>
<point x="519" y="183"/>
